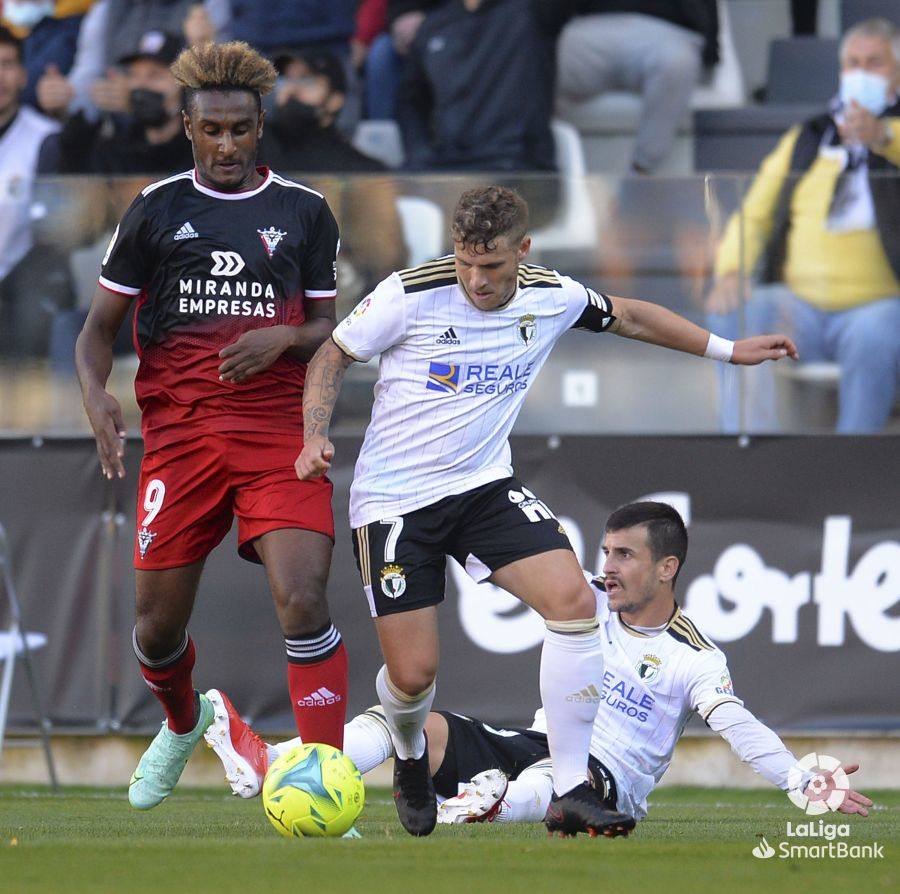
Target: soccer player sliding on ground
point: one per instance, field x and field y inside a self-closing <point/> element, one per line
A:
<point x="659" y="669"/>
<point x="461" y="339"/>
<point x="231" y="269"/>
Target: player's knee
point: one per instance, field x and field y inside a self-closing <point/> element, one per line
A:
<point x="413" y="681"/>
<point x="155" y="638"/>
<point x="571" y="604"/>
<point x="301" y="608"/>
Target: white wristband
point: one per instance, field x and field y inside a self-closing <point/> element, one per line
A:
<point x="719" y="348"/>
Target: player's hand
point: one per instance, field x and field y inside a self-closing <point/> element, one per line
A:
<point x="315" y="458"/>
<point x="759" y="348"/>
<point x="254" y="352"/>
<point x="110" y="94"/>
<point x="724" y="296"/>
<point x="54" y="92"/>
<point x="105" y="415"/>
<point x="854" y="802"/>
<point x="861" y="126"/>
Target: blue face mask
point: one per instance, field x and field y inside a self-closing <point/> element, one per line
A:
<point x="867" y="88"/>
<point x="27" y="15"/>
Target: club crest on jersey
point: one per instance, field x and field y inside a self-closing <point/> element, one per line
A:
<point x="270" y="239"/>
<point x="145" y="538"/>
<point x="393" y="581"/>
<point x="648" y="668"/>
<point x="526" y="328"/>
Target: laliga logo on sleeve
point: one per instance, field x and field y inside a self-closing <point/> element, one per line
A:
<point x="826" y="789"/>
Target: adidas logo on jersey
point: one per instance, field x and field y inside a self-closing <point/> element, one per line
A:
<point x="317" y="699"/>
<point x="448" y="338"/>
<point x="186" y="231"/>
<point x="588" y="694"/>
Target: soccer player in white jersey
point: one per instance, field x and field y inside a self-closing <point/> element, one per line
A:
<point x="660" y="669"/>
<point x="461" y="340"/>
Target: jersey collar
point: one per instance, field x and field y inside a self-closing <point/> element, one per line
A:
<point x="232" y="196"/>
<point x="676" y="613"/>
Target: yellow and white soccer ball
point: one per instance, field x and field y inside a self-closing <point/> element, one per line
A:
<point x="313" y="791"/>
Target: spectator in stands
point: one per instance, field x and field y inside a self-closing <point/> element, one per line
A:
<point x="49" y="33"/>
<point x="387" y="29"/>
<point x="24" y="290"/>
<point x="658" y="49"/>
<point x="301" y="133"/>
<point x="300" y="136"/>
<point x="95" y="85"/>
<point x="147" y="137"/>
<point x="821" y="222"/>
<point x="477" y="92"/>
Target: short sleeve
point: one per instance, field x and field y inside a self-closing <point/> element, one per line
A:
<point x="710" y="683"/>
<point x="590" y="310"/>
<point x="126" y="267"/>
<point x="319" y="265"/>
<point x="377" y="323"/>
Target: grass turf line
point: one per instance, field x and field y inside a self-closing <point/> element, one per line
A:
<point x="694" y="840"/>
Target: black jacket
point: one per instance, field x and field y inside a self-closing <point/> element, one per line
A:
<point x="477" y="93"/>
<point x="316" y="150"/>
<point x="115" y="145"/>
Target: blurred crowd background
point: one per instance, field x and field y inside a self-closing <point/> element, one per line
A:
<point x="737" y="161"/>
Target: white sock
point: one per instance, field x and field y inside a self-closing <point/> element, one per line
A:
<point x="367" y="740"/>
<point x="275" y="751"/>
<point x="571" y="681"/>
<point x="528" y="797"/>
<point x="405" y="715"/>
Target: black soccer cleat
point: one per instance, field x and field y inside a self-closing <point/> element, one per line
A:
<point x="583" y="810"/>
<point x="414" y="795"/>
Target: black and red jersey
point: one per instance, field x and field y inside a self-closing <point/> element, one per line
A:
<point x="204" y="267"/>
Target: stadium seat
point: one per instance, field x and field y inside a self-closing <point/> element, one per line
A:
<point x="423" y="228"/>
<point x="575" y="226"/>
<point x="802" y="70"/>
<point x="854" y="11"/>
<point x="380" y="139"/>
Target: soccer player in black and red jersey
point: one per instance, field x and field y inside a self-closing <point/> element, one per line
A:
<point x="232" y="272"/>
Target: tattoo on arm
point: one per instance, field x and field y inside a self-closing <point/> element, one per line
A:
<point x="324" y="377"/>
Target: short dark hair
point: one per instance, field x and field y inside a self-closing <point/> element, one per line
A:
<point x="233" y="66"/>
<point x="666" y="533"/>
<point x="487" y="213"/>
<point x="7" y="38"/>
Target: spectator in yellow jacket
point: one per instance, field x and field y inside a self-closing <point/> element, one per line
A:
<point x="819" y="232"/>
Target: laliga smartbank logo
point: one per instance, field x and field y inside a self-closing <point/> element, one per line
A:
<point x="827" y="787"/>
<point x="817" y="784"/>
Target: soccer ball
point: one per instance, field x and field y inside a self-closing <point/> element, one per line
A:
<point x="313" y="790"/>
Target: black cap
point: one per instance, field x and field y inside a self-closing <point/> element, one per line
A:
<point x="319" y="61"/>
<point x="156" y="46"/>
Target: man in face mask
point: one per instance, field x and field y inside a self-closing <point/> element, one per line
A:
<point x="301" y="134"/>
<point x="820" y="231"/>
<point x="49" y="32"/>
<point x="148" y="137"/>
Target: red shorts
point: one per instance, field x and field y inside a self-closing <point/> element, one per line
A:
<point x="190" y="491"/>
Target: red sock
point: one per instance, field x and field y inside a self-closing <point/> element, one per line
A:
<point x="319" y="697"/>
<point x="173" y="686"/>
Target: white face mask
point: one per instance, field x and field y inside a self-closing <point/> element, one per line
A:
<point x="870" y="90"/>
<point x="27" y="15"/>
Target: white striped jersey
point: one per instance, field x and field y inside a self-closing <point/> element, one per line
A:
<point x="451" y="379"/>
<point x="651" y="686"/>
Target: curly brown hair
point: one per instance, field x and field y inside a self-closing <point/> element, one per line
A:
<point x="487" y="213"/>
<point x="223" y="66"/>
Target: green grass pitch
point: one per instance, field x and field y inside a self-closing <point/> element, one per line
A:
<point x="694" y="840"/>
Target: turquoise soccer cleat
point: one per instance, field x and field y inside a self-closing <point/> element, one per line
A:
<point x="162" y="764"/>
